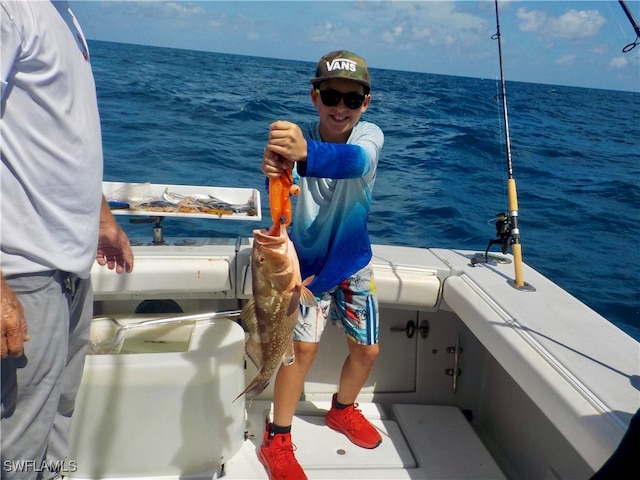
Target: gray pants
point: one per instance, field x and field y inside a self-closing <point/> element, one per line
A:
<point x="39" y="388"/>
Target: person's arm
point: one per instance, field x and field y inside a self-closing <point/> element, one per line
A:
<point x="334" y="160"/>
<point x="319" y="159"/>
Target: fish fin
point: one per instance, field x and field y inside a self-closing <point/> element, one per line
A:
<point x="253" y="345"/>
<point x="253" y="350"/>
<point x="289" y="355"/>
<point x="302" y="295"/>
<point x="248" y="318"/>
<point x="307" y="298"/>
<point x="255" y="388"/>
<point x="294" y="303"/>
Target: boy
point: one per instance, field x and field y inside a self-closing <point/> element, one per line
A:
<point x="336" y="158"/>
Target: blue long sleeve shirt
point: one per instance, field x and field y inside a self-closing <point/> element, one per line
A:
<point x="329" y="228"/>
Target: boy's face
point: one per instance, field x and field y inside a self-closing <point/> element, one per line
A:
<point x="336" y="122"/>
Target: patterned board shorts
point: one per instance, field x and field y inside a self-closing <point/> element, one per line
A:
<point x="352" y="306"/>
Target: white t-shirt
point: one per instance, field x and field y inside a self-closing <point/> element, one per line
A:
<point x="50" y="142"/>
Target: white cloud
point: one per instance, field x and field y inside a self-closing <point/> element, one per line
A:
<point x="531" y="21"/>
<point x="327" y="31"/>
<point x="420" y="33"/>
<point x="572" y="25"/>
<point x="183" y="8"/>
<point x="392" y="34"/>
<point x="619" y="62"/>
<point x="599" y="49"/>
<point x="576" y="24"/>
<point x="566" y="60"/>
<point x="455" y="26"/>
<point x="449" y="40"/>
<point x="217" y="22"/>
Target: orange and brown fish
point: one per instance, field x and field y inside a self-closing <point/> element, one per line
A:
<point x="271" y="314"/>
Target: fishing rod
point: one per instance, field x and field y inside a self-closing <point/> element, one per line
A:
<point x="509" y="223"/>
<point x="634" y="24"/>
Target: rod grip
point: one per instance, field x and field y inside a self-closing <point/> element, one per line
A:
<point x="513" y="195"/>
<point x="517" y="263"/>
<point x="516" y="247"/>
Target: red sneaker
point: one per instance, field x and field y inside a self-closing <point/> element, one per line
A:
<point x="276" y="454"/>
<point x="352" y="423"/>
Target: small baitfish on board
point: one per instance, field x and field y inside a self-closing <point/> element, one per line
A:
<point x="271" y="314"/>
<point x="208" y="203"/>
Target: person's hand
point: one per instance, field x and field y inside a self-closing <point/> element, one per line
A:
<point x="286" y="140"/>
<point x="273" y="164"/>
<point x="114" y="249"/>
<point x="13" y="323"/>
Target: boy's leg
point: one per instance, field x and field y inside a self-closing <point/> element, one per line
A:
<point x="277" y="450"/>
<point x="356" y="370"/>
<point x="356" y="310"/>
<point x="356" y="306"/>
<point x="290" y="382"/>
<point x="290" y="379"/>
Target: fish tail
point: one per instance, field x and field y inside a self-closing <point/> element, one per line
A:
<point x="255" y="388"/>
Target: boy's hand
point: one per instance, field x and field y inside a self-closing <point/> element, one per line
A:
<point x="273" y="164"/>
<point x="286" y="140"/>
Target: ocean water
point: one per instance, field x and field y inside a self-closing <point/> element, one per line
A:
<point x="197" y="118"/>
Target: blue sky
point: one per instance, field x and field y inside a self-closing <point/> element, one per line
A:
<point x="576" y="43"/>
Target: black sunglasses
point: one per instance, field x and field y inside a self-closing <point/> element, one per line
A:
<point x="331" y="98"/>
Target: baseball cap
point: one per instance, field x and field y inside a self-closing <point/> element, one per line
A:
<point x="342" y="64"/>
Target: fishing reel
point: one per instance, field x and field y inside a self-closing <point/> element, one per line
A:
<point x="504" y="227"/>
<point x="504" y="233"/>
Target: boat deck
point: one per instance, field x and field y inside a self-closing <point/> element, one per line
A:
<point x="551" y="384"/>
<point x="419" y="442"/>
